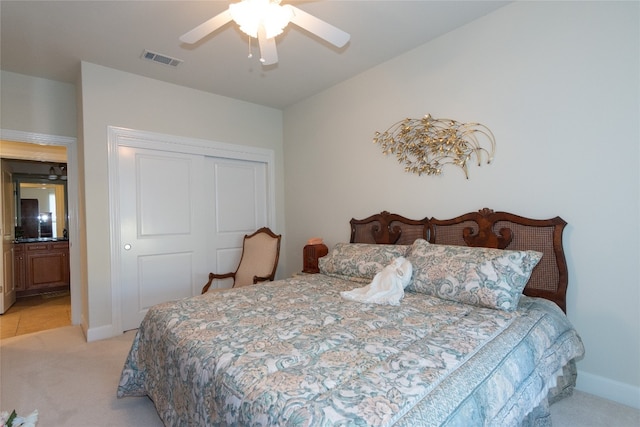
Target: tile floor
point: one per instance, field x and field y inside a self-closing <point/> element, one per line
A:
<point x="36" y="313"/>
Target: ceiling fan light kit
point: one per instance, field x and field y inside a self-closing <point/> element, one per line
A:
<point x="251" y="14"/>
<point x="264" y="20"/>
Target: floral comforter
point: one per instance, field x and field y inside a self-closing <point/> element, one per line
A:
<point x="294" y="353"/>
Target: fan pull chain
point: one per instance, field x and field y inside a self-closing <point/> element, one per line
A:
<point x="250" y="54"/>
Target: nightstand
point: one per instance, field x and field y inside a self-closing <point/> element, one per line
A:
<point x="310" y="256"/>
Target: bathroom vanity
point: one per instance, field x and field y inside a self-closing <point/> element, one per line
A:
<point x="41" y="265"/>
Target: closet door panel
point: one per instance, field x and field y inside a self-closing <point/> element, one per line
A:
<point x="162" y="244"/>
<point x="237" y="205"/>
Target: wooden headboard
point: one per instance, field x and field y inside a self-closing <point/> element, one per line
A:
<point x="484" y="228"/>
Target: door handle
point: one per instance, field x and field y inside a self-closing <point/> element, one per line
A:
<point x="127" y="247"/>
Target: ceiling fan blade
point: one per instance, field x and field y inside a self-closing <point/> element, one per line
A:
<point x="316" y="26"/>
<point x="206" y="28"/>
<point x="268" y="51"/>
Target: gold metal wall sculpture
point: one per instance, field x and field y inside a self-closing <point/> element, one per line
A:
<point x="424" y="145"/>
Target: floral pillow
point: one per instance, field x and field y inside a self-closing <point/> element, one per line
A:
<point x="492" y="278"/>
<point x="359" y="261"/>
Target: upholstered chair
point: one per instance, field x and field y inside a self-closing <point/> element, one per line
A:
<point x="258" y="263"/>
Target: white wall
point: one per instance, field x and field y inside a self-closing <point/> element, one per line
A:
<point x="557" y="82"/>
<point x="32" y="104"/>
<point x="114" y="98"/>
<point x="42" y="111"/>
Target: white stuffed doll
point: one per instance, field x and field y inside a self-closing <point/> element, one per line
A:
<point x="387" y="286"/>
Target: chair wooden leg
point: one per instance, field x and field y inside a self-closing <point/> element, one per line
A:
<point x="208" y="285"/>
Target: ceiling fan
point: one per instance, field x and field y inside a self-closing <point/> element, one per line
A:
<point x="264" y="20"/>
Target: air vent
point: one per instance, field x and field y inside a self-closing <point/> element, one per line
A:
<point x="160" y="58"/>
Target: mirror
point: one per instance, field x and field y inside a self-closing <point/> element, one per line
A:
<point x="41" y="207"/>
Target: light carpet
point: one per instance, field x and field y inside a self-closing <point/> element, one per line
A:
<point x="70" y="382"/>
<point x="73" y="383"/>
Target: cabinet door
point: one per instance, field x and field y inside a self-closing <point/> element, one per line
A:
<point x="46" y="268"/>
<point x="19" y="266"/>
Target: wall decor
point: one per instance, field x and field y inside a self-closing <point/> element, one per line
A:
<point x="425" y="145"/>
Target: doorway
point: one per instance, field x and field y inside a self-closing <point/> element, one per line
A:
<point x="18" y="145"/>
<point x="36" y="313"/>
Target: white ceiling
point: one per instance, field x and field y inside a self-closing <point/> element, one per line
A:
<point x="48" y="39"/>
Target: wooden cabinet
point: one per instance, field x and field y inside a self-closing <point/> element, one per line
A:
<point x="41" y="267"/>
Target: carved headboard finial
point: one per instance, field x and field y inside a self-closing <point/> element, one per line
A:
<point x="485" y="211"/>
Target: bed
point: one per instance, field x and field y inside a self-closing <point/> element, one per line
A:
<point x="479" y="336"/>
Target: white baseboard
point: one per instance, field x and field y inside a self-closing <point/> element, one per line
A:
<point x="84" y="325"/>
<point x="99" y="333"/>
<point x="616" y="391"/>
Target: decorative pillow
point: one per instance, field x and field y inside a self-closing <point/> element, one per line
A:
<point x="492" y="278"/>
<point x="354" y="261"/>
